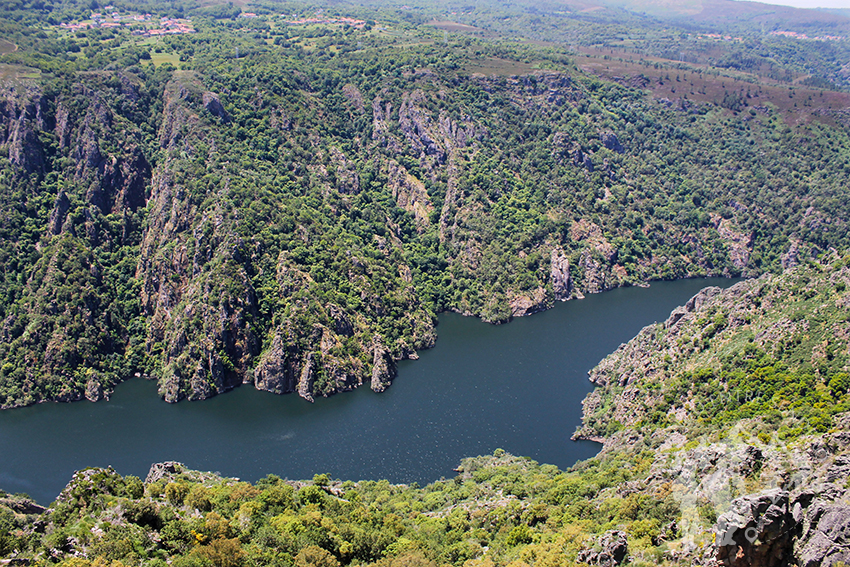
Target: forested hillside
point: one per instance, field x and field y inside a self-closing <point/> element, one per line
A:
<point x="290" y="204"/>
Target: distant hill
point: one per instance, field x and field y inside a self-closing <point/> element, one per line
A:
<point x="736" y="14"/>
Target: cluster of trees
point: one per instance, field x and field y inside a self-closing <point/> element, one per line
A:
<point x="500" y="509"/>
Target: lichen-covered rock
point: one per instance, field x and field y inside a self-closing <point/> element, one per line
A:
<point x="277" y="371"/>
<point x="383" y="369"/>
<point x="757" y="532"/>
<point x="824" y="534"/>
<point x="164" y="470"/>
<point x="214" y="106"/>
<point x="523" y="304"/>
<point x="611" y="549"/>
<point x="612" y="142"/>
<point x="94" y="390"/>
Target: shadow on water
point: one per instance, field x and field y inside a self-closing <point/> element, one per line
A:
<point x="517" y="386"/>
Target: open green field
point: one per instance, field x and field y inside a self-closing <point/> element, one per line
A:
<point x="161" y="58"/>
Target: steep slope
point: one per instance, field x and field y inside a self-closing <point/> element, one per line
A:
<point x="295" y="218"/>
<point x="741" y="398"/>
<point x="72" y="203"/>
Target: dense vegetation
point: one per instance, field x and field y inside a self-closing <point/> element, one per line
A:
<point x="772" y="349"/>
<point x="292" y="205"/>
<point x="512" y="508"/>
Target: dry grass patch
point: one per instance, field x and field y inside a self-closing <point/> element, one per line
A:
<point x="453" y="26"/>
<point x="7" y="46"/>
<point x="499" y="67"/>
<point x="667" y="79"/>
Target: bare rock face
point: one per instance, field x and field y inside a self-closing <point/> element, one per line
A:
<point x="595" y="258"/>
<point x="418" y="127"/>
<point x="116" y="180"/>
<point x="355" y="97"/>
<point x="562" y="283"/>
<point x="277" y="372"/>
<point x="756" y="532"/>
<point x="610" y="141"/>
<point x="162" y="470"/>
<point x="94" y="390"/>
<point x="791" y="257"/>
<point x="611" y="549"/>
<point x="694" y="304"/>
<point x="22" y="505"/>
<point x="199" y="317"/>
<point x="21" y="117"/>
<point x="345" y="174"/>
<point x="383" y="368"/>
<point x="824" y="530"/>
<point x="594" y="275"/>
<point x="410" y="194"/>
<point x="341" y="322"/>
<point x="528" y="303"/>
<point x="25" y="150"/>
<point x="306" y="379"/>
<point x="740" y="244"/>
<point x="214" y="106"/>
<point x="60" y="211"/>
<point x="811" y="529"/>
<point x="566" y="149"/>
<point x="381" y="127"/>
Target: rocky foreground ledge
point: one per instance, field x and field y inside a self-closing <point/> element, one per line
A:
<point x="739" y="402"/>
<point x="499" y="510"/>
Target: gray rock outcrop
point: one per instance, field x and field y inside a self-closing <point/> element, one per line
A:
<point x="757" y="531"/>
<point x="610" y="141"/>
<point x="528" y="303"/>
<point x="611" y="549"/>
<point x="214" y="106"/>
<point x="773" y="529"/>
<point x="383" y="369"/>
<point x="562" y="283"/>
<point x="162" y="470"/>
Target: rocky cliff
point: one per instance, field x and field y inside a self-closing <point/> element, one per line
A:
<point x="302" y="234"/>
<point x="741" y="397"/>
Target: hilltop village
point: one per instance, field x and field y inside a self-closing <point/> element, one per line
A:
<point x="140" y="24"/>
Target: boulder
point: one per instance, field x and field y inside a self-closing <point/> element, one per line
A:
<point x="611" y="549"/>
<point x="214" y="106"/>
<point x="757" y="531"/>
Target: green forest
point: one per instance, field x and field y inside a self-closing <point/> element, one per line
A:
<point x="284" y="196"/>
<point x="290" y="205"/>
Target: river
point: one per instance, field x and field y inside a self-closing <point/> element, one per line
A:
<point x="517" y="387"/>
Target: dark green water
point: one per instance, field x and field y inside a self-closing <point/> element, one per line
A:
<point x="517" y="386"/>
